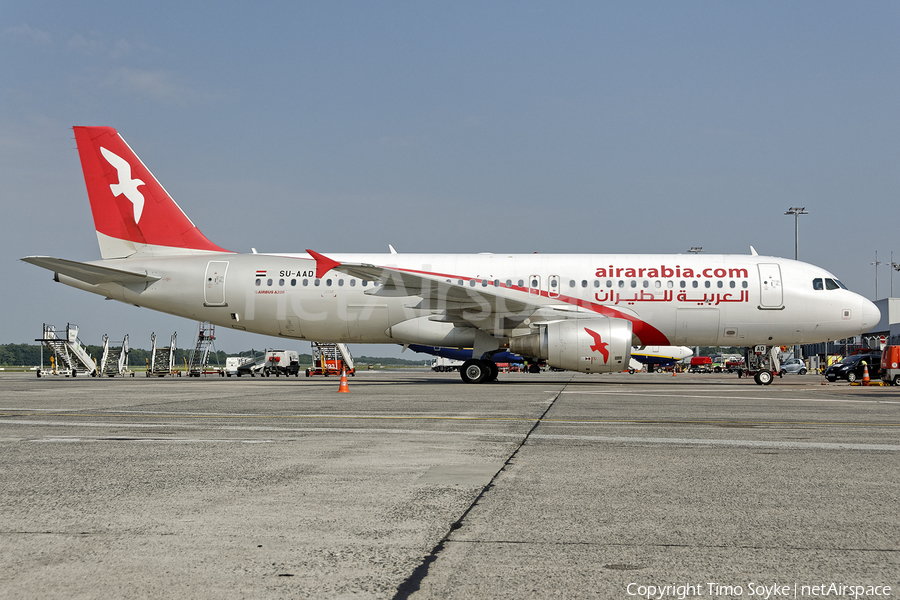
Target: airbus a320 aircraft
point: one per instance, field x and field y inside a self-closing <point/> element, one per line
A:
<point x="655" y="357"/>
<point x="576" y="312"/>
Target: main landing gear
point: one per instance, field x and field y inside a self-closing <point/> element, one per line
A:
<point x="479" y="371"/>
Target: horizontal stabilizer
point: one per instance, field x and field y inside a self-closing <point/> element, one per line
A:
<point x="89" y="273"/>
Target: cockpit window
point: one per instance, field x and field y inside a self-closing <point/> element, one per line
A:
<point x="838" y="281"/>
<point x="831" y="284"/>
<point x="817" y="284"/>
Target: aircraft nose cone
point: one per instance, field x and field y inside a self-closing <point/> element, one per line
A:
<point x="870" y="314"/>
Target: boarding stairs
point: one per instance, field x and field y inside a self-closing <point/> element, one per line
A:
<point x="70" y="356"/>
<point x="199" y="359"/>
<point x="115" y="360"/>
<point x="162" y="358"/>
<point x="331" y="359"/>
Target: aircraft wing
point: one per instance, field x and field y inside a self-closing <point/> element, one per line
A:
<point x="463" y="299"/>
<point x="89" y="273"/>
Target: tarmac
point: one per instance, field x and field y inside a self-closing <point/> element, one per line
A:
<point x="416" y="485"/>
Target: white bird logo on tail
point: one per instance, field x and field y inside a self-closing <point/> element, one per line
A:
<point x="126" y="185"/>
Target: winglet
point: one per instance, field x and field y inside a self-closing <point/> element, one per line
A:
<point x="323" y="263"/>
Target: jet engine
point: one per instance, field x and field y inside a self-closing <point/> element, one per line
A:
<point x="584" y="345"/>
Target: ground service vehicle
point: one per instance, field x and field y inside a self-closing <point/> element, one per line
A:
<point x="281" y="362"/>
<point x="441" y="364"/>
<point x="232" y="363"/>
<point x="701" y="364"/>
<point x="890" y="365"/>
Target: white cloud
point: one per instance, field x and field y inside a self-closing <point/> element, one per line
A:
<point x="92" y="46"/>
<point x="28" y="35"/>
<point x="158" y="84"/>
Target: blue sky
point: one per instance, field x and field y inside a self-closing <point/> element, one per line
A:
<point x="453" y="127"/>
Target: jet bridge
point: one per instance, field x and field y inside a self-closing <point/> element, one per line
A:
<point x="70" y="356"/>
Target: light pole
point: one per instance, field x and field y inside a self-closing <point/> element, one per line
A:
<point x="876" y="263"/>
<point x="796" y="211"/>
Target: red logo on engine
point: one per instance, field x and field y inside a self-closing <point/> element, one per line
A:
<point x="598" y="345"/>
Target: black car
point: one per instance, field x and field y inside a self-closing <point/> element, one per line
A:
<point x="851" y="368"/>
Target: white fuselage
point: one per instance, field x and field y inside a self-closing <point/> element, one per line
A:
<point x="726" y="300"/>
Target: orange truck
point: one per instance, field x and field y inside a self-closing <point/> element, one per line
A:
<point x="890" y="365"/>
<point x="701" y="364"/>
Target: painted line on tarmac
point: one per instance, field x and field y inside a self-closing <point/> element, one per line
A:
<point x="771" y="444"/>
<point x="607" y="393"/>
<point x="731" y="443"/>
<point x="161" y="415"/>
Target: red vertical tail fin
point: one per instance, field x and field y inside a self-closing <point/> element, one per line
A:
<point x="133" y="213"/>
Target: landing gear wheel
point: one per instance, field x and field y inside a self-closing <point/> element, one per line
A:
<point x="474" y="371"/>
<point x="763" y="377"/>
<point x="493" y="371"/>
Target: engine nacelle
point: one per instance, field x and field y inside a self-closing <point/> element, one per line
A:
<point x="584" y="345"/>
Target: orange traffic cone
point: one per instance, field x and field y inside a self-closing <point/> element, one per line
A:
<point x="344" y="387"/>
<point x="866" y="379"/>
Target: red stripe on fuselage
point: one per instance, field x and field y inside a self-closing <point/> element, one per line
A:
<point x="647" y="333"/>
